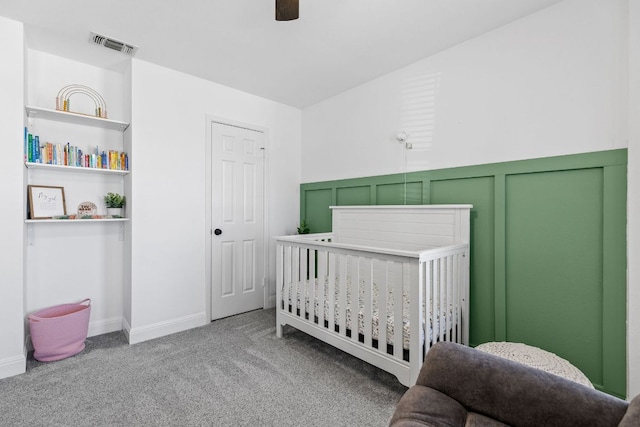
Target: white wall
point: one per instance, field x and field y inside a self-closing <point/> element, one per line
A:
<point x="549" y="84"/>
<point x="168" y="280"/>
<point x="68" y="262"/>
<point x="12" y="355"/>
<point x="633" y="189"/>
<point x="556" y="82"/>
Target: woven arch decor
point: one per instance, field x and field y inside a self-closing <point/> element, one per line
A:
<point x="63" y="100"/>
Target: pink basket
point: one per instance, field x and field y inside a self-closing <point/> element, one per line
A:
<point x="60" y="331"/>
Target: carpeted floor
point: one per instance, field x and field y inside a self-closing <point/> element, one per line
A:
<point x="231" y="372"/>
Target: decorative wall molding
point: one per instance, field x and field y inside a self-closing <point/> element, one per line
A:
<point x="548" y="247"/>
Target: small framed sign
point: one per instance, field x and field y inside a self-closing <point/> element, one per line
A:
<point x="46" y="201"/>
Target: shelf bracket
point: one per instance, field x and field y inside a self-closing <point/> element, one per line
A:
<point x="121" y="232"/>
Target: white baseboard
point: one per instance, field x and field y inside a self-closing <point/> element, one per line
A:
<point x="126" y="328"/>
<point x="104" y="326"/>
<point x="11" y="366"/>
<point x="157" y="330"/>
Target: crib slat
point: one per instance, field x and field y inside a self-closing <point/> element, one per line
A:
<point x="313" y="285"/>
<point x="457" y="289"/>
<point x="442" y="283"/>
<point x="295" y="283"/>
<point x="354" y="301"/>
<point x="436" y="307"/>
<point x="331" y="291"/>
<point x="287" y="277"/>
<point x="342" y="297"/>
<point x="367" y="305"/>
<point x="427" y="283"/>
<point x="435" y="318"/>
<point x="304" y="283"/>
<point x="444" y="308"/>
<point x="443" y="298"/>
<point x="397" y="311"/>
<point x="322" y="277"/>
<point x="383" y="295"/>
<point x="455" y="328"/>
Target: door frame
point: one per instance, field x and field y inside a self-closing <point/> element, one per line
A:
<point x="208" y="226"/>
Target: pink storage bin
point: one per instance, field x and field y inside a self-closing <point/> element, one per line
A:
<point x="60" y="331"/>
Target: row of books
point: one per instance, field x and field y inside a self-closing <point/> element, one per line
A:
<point x="69" y="155"/>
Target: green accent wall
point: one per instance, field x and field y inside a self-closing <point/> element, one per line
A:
<point x="548" y="249"/>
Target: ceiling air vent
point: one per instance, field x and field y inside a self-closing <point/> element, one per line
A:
<point x="113" y="44"/>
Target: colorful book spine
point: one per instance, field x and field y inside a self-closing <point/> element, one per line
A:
<point x="70" y="155"/>
<point x="36" y="147"/>
<point x="30" y="148"/>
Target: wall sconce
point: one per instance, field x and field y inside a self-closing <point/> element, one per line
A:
<point x="402" y="138"/>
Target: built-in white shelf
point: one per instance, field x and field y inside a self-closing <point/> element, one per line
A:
<point x="76" y="221"/>
<point x="31" y="224"/>
<point x="31" y="165"/>
<point x="75" y="118"/>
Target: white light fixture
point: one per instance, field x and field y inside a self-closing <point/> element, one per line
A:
<point x="402" y="136"/>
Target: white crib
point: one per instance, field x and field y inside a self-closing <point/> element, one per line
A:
<point x="382" y="254"/>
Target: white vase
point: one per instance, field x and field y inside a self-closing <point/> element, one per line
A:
<point x="115" y="212"/>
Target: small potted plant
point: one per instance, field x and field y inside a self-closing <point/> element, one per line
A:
<point x="115" y="204"/>
<point x="303" y="228"/>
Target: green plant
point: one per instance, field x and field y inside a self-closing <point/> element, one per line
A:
<point x="303" y="228"/>
<point x="115" y="200"/>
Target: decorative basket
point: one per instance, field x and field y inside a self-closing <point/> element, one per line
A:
<point x="60" y="331"/>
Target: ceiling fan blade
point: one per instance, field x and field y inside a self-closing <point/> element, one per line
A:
<point x="287" y="10"/>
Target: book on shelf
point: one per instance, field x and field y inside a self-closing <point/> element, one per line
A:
<point x="51" y="153"/>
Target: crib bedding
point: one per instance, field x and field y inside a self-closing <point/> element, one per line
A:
<point x="446" y="319"/>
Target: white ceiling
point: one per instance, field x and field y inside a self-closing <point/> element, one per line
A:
<point x="334" y="46"/>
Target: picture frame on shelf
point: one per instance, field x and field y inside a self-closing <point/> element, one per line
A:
<point x="46" y="201"/>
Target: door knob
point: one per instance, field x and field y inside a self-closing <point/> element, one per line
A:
<point x="217" y="232"/>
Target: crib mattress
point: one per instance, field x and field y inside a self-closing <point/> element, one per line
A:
<point x="432" y="325"/>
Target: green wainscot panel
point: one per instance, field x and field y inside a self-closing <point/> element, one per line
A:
<point x="353" y="196"/>
<point x="554" y="224"/>
<point x="548" y="249"/>
<point x="480" y="193"/>
<point x="614" y="278"/>
<point x="316" y="209"/>
<point x="403" y="193"/>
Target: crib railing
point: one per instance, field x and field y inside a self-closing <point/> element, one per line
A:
<point x="336" y="292"/>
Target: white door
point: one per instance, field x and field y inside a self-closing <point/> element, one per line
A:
<point x="237" y="226"/>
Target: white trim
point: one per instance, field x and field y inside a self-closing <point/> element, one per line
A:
<point x="420" y="207"/>
<point x="14" y="365"/>
<point x="161" y="329"/>
<point x="126" y="328"/>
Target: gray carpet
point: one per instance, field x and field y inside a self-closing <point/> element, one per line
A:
<point x="231" y="372"/>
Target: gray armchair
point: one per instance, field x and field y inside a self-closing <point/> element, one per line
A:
<point x="461" y="386"/>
